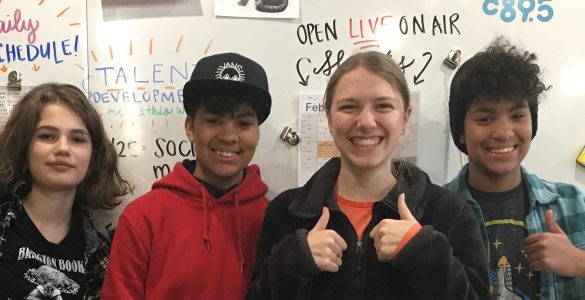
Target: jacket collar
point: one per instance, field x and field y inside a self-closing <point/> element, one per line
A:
<point x="11" y="208"/>
<point x="537" y="191"/>
<point x="316" y="193"/>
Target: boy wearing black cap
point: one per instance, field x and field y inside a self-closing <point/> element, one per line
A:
<point x="532" y="229"/>
<point x="194" y="235"/>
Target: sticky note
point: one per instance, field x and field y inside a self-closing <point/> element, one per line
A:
<point x="581" y="158"/>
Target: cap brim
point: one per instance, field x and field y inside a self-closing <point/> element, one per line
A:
<point x="258" y="98"/>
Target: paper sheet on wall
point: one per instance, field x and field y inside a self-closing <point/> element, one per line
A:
<point x="8" y="98"/>
<point x="317" y="145"/>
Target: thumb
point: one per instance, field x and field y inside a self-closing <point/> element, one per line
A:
<point x="323" y="220"/>
<point x="551" y="224"/>
<point x="403" y="209"/>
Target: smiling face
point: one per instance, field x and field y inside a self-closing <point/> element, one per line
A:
<point x="60" y="149"/>
<point x="224" y="144"/>
<point x="366" y="119"/>
<point x="497" y="135"/>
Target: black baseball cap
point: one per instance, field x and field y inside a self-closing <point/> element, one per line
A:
<point x="228" y="74"/>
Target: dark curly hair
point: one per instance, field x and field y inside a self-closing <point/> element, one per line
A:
<point x="103" y="184"/>
<point x="501" y="72"/>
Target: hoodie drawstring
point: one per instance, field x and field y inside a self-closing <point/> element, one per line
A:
<point x="239" y="233"/>
<point x="206" y="239"/>
<point x="239" y="229"/>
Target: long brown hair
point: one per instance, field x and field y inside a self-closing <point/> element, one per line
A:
<point x="375" y="62"/>
<point x="103" y="184"/>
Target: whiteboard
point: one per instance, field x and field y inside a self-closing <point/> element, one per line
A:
<point x="133" y="58"/>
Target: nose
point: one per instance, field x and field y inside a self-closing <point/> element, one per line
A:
<point x="366" y="119"/>
<point x="502" y="129"/>
<point x="62" y="146"/>
<point x="229" y="132"/>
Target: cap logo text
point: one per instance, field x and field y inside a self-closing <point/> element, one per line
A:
<point x="230" y="71"/>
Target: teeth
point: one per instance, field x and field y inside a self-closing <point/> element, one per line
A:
<point x="226" y="154"/>
<point x="502" y="150"/>
<point x="366" y="142"/>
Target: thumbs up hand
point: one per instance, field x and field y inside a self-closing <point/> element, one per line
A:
<point x="388" y="234"/>
<point x="552" y="251"/>
<point x="549" y="220"/>
<point x="326" y="245"/>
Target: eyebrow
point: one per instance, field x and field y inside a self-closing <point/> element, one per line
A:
<point x="72" y="131"/>
<point x="381" y="98"/>
<point x="489" y="110"/>
<point x="518" y="106"/>
<point x="234" y="115"/>
<point x="245" y="114"/>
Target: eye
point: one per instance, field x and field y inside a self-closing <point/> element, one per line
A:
<point x="483" y="119"/>
<point x="347" y="107"/>
<point x="212" y="121"/>
<point x="518" y="116"/>
<point x="247" y="122"/>
<point x="385" y="106"/>
<point x="46" y="136"/>
<point x="244" y="124"/>
<point x="79" y="139"/>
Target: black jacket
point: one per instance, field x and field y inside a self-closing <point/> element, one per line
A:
<point x="444" y="260"/>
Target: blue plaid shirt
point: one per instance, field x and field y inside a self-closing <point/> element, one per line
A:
<point x="568" y="205"/>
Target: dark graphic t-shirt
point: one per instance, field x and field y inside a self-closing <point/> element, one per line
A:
<point x="31" y="265"/>
<point x="504" y="213"/>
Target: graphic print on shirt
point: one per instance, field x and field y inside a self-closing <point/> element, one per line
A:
<point x="504" y="286"/>
<point x="49" y="278"/>
<point x="510" y="276"/>
<point x="503" y="217"/>
<point x="53" y="282"/>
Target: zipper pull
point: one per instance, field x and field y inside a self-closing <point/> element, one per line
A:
<point x="359" y="249"/>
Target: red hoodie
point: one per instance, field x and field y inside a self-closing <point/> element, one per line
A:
<point x="179" y="242"/>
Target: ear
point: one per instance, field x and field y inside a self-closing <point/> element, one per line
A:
<point x="329" y="124"/>
<point x="257" y="135"/>
<point x="461" y="138"/>
<point x="407" y="114"/>
<point x="189" y="128"/>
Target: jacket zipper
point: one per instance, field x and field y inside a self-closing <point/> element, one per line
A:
<point x="359" y="251"/>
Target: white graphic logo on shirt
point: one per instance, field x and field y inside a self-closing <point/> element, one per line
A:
<point x="51" y="282"/>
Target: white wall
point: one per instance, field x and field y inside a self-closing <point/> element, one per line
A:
<point x="153" y="52"/>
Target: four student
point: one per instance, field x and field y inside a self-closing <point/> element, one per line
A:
<point x="365" y="226"/>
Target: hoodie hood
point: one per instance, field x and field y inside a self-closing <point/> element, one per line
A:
<point x="316" y="193"/>
<point x="182" y="181"/>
